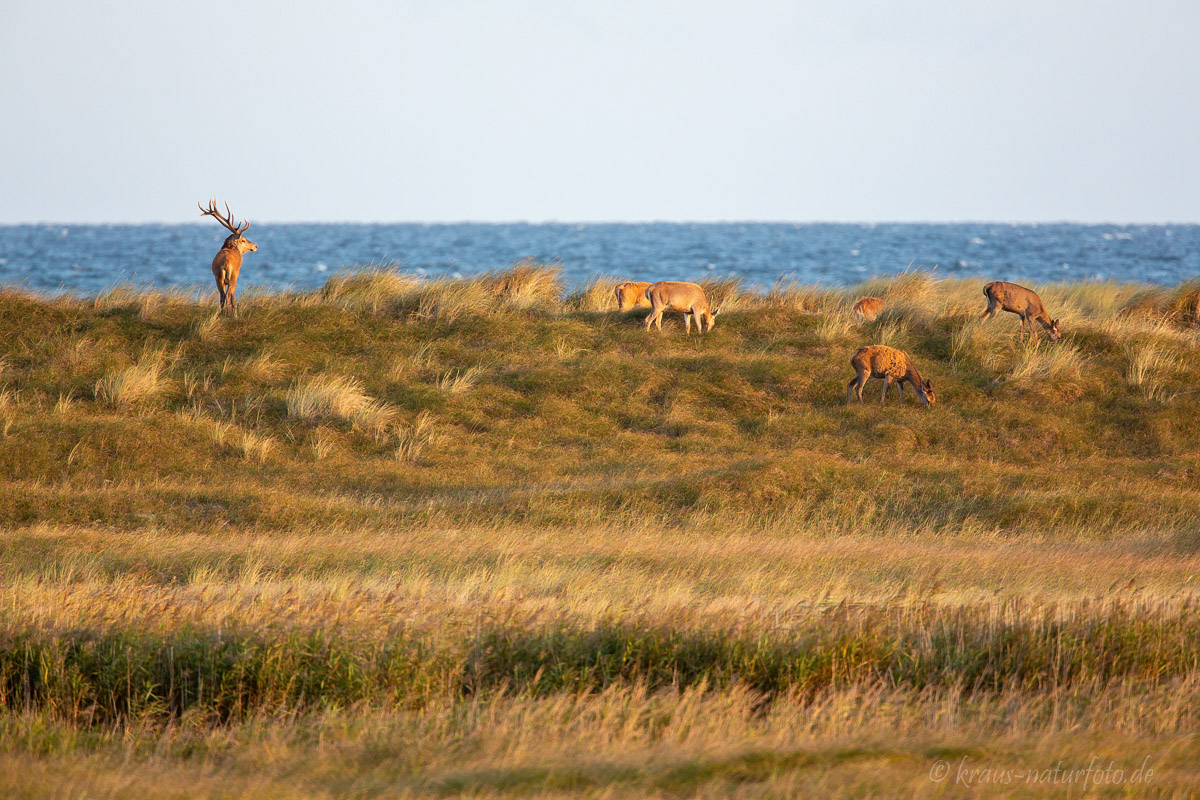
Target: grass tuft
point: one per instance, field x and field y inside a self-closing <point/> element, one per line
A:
<point x="413" y="440"/>
<point x="325" y="396"/>
<point x="1149" y="368"/>
<point x="142" y="383"/>
<point x="458" y="381"/>
<point x="1054" y="369"/>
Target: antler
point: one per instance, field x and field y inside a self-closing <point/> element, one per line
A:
<point x="226" y="220"/>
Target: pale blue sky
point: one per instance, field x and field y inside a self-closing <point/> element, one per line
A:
<point x="429" y="111"/>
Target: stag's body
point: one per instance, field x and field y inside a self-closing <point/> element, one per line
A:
<point x="1020" y="301"/>
<point x="632" y="294"/>
<point x="228" y="261"/>
<point x="868" y="308"/>
<point x="687" y="298"/>
<point x="880" y="361"/>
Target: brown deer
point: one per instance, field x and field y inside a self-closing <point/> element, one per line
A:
<point x="688" y="298"/>
<point x="228" y="261"/>
<point x="632" y="294"/>
<point x="1024" y="303"/>
<point x="880" y="361"/>
<point x="868" y="308"/>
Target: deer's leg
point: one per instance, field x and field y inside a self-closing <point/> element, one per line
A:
<point x="900" y="389"/>
<point x="856" y="386"/>
<point x="220" y="276"/>
<point x="233" y="292"/>
<point x="887" y="383"/>
<point x="991" y="310"/>
<point x="650" y="317"/>
<point x="687" y="323"/>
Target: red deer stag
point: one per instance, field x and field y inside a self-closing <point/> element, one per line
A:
<point x="880" y="361"/>
<point x="688" y="298"/>
<point x="1024" y="303"/>
<point x="228" y="261"/>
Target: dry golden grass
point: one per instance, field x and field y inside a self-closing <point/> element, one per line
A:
<point x="458" y="381"/>
<point x="527" y="285"/>
<point x="626" y="742"/>
<point x="414" y="439"/>
<point x="599" y="294"/>
<point x="627" y="738"/>
<point x="1150" y="367"/>
<point x="1055" y="369"/>
<point x="144" y="382"/>
<point x="324" y="396"/>
<point x="603" y="565"/>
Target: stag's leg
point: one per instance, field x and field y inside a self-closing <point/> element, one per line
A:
<point x="887" y="382"/>
<point x="900" y="389"/>
<point x="687" y="323"/>
<point x="233" y="293"/>
<point x="219" y="277"/>
<point x="650" y="317"/>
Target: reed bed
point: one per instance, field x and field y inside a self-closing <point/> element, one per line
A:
<point x="99" y="676"/>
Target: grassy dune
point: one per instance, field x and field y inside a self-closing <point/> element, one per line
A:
<point x="400" y="538"/>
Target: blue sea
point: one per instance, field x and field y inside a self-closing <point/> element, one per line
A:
<point x="86" y="259"/>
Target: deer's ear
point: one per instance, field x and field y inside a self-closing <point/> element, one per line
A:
<point x="718" y="311"/>
<point x="928" y="386"/>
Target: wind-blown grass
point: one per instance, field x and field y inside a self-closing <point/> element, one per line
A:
<point x="140" y="383"/>
<point x="95" y="677"/>
<point x="323" y="396"/>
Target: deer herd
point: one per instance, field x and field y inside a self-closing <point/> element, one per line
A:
<point x="689" y="299"/>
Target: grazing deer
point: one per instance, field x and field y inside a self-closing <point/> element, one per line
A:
<point x="632" y="294"/>
<point x="868" y="308"/>
<point x="228" y="261"/>
<point x="880" y="361"/>
<point x="1024" y="303"/>
<point x="688" y="298"/>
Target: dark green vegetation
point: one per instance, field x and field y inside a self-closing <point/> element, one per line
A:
<point x="89" y="676"/>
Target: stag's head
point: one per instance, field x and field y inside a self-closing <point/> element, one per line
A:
<point x="235" y="240"/>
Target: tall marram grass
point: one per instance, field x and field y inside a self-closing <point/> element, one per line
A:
<point x="1149" y="368"/>
<point x="527" y="285"/>
<point x="323" y="396"/>
<point x="138" y="384"/>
